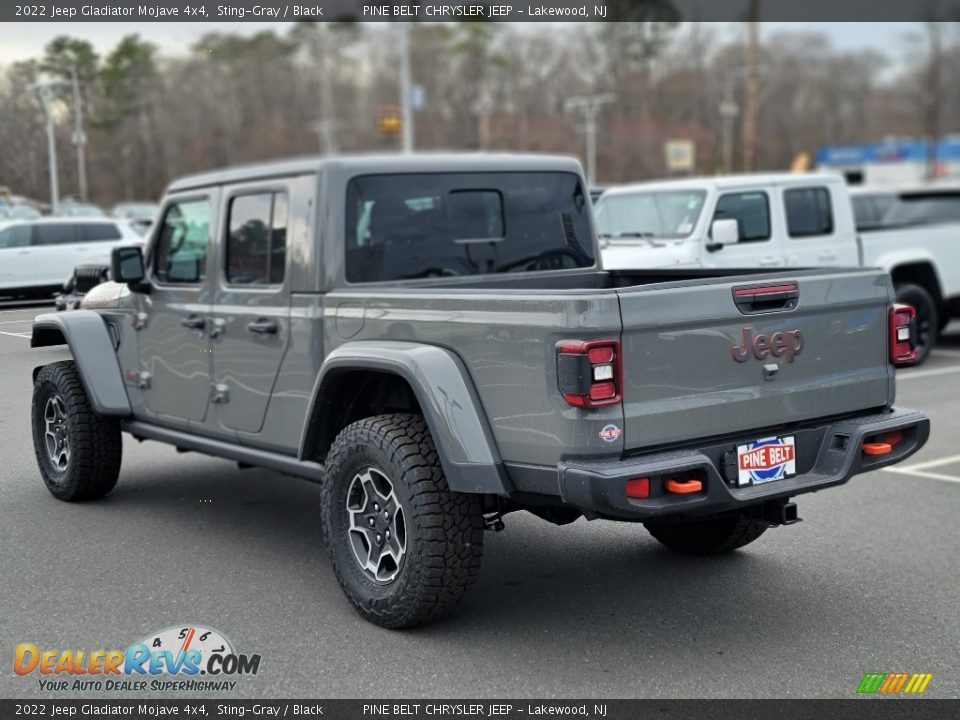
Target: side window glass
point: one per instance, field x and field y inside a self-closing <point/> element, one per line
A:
<point x="751" y="210"/>
<point x="54" y="234"/>
<point x="257" y="239"/>
<point x="181" y="251"/>
<point x="809" y="212"/>
<point x="15" y="236"/>
<point x="99" y="232"/>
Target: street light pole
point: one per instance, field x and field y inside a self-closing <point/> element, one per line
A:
<point x="79" y="136"/>
<point x="45" y="93"/>
<point x="590" y="106"/>
<point x="406" y="88"/>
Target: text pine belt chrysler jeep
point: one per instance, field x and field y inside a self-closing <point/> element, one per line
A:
<point x="432" y="339"/>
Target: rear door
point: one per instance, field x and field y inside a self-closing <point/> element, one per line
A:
<point x="759" y="245"/>
<point x="707" y="358"/>
<point x="252" y="304"/>
<point x="54" y="251"/>
<point x="819" y="228"/>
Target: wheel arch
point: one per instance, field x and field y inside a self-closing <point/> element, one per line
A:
<point x="361" y="379"/>
<point x="92" y="348"/>
<point x="922" y="273"/>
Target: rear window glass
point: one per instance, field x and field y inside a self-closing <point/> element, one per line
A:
<point x="808" y="212"/>
<point x="925" y="209"/>
<point x="449" y="224"/>
<point x="99" y="232"/>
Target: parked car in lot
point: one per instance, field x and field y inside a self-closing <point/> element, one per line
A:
<point x="793" y="220"/>
<point x="19" y="212"/>
<point x="433" y="340"/>
<point x="73" y="208"/>
<point x="37" y="256"/>
<point x="141" y="215"/>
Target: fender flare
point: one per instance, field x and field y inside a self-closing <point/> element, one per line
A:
<point x="447" y="397"/>
<point x="85" y="333"/>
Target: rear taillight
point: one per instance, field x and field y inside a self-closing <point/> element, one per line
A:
<point x="902" y="348"/>
<point x="588" y="372"/>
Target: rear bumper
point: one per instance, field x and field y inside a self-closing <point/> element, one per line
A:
<point x="827" y="455"/>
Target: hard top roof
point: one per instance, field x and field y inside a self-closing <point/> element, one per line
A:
<point x="381" y="164"/>
<point x="727" y="182"/>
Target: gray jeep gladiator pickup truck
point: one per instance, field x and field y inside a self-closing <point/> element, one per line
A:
<point x="433" y="340"/>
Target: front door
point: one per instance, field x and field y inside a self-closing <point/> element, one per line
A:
<point x="759" y="245"/>
<point x="175" y="353"/>
<point x="251" y="327"/>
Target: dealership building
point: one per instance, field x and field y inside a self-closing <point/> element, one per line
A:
<point x="892" y="161"/>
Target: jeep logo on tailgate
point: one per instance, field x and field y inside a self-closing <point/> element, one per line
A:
<point x="783" y="343"/>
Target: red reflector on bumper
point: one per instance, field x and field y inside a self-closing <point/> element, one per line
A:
<point x="638" y="488"/>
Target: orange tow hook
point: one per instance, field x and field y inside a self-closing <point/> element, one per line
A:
<point x="684" y="488"/>
<point x="885" y="444"/>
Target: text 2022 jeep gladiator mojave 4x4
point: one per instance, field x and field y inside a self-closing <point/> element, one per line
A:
<point x="433" y="340"/>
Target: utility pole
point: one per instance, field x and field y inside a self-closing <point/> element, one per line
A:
<point x="406" y="88"/>
<point x="45" y="92"/>
<point x="79" y="136"/>
<point x="752" y="89"/>
<point x="590" y="106"/>
<point x="728" y="113"/>
<point x="932" y="96"/>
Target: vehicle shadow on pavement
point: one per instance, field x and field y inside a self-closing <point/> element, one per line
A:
<point x="589" y="578"/>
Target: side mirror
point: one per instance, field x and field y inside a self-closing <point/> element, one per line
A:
<point x="724" y="232"/>
<point x="126" y="265"/>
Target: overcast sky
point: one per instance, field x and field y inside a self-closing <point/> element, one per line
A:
<point x="26" y="40"/>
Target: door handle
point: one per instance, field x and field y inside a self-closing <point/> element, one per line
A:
<point x="263" y="326"/>
<point x="827" y="257"/>
<point x="769" y="260"/>
<point x="194" y="322"/>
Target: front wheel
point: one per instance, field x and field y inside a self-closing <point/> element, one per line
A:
<point x="707" y="537"/>
<point x="78" y="450"/>
<point x="403" y="546"/>
<point x="928" y="318"/>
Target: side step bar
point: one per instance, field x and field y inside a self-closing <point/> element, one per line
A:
<point x="245" y="455"/>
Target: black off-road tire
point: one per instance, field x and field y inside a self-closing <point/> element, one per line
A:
<point x="443" y="529"/>
<point x="927" y="320"/>
<point x="708" y="537"/>
<point x="92" y="466"/>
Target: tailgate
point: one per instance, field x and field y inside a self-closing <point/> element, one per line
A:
<point x="708" y="358"/>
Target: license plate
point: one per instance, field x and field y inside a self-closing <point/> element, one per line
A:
<point x="766" y="460"/>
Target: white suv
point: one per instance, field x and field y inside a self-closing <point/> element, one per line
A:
<point x="37" y="256"/>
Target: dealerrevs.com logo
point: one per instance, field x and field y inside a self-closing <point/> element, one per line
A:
<point x="188" y="657"/>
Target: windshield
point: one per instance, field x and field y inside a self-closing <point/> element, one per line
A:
<point x="663" y="214"/>
<point x="448" y="224"/>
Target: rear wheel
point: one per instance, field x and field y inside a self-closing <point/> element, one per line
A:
<point x="707" y="537"/>
<point x="928" y="317"/>
<point x="403" y="547"/>
<point x="78" y="450"/>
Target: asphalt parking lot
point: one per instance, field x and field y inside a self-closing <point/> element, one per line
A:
<point x="867" y="583"/>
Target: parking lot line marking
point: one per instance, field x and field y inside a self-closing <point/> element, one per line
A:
<point x="15" y="322"/>
<point x="923" y="474"/>
<point x="915" y="374"/>
<point x="20" y="335"/>
<point x="933" y="463"/>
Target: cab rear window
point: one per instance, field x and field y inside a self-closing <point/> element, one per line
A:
<point x="410" y="226"/>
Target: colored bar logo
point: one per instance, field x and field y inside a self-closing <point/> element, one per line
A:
<point x="894" y="683"/>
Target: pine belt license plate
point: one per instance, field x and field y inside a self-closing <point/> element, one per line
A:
<point x="766" y="460"/>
